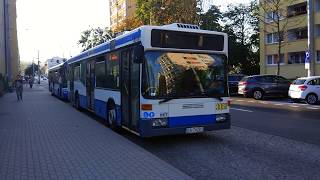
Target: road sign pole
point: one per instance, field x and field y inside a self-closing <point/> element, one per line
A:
<point x="311" y="37"/>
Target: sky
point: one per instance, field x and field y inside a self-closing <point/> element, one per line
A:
<point x="53" y="27"/>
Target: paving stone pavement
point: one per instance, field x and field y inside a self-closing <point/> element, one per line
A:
<point x="45" y="138"/>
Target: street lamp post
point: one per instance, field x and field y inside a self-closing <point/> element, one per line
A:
<point x="38" y="68"/>
<point x="311" y="51"/>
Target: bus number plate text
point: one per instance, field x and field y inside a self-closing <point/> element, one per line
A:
<point x="221" y="106"/>
<point x="194" y="130"/>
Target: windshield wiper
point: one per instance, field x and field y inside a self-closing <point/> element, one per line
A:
<point x="166" y="100"/>
<point x="210" y="96"/>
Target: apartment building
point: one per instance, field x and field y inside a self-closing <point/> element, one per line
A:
<point x="9" y="53"/>
<point x="120" y="10"/>
<point x="294" y="26"/>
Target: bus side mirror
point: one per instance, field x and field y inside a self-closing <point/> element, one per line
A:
<point x="138" y="53"/>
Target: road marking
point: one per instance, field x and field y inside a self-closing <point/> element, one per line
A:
<point x="278" y="104"/>
<point x="301" y="104"/>
<point x="251" y="101"/>
<point x="313" y="108"/>
<point x="294" y="106"/>
<point x="240" y="100"/>
<point x="263" y="102"/>
<point x="244" y="110"/>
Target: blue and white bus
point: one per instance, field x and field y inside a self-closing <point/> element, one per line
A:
<point x="58" y="81"/>
<point x="156" y="80"/>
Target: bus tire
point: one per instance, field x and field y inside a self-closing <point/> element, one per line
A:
<point x="111" y="117"/>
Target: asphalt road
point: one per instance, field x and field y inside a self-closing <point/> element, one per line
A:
<point x="268" y="140"/>
<point x="272" y="139"/>
<point x="298" y="121"/>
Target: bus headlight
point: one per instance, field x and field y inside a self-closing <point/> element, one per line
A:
<point x="159" y="122"/>
<point x="221" y="117"/>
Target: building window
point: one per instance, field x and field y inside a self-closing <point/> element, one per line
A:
<point x="297" y="58"/>
<point x="273" y="59"/>
<point x="297" y="9"/>
<point x="317" y="5"/>
<point x="273" y="16"/>
<point x="296" y="34"/>
<point x="318" y="57"/>
<point x="317" y="29"/>
<point x="269" y="38"/>
<point x="273" y="38"/>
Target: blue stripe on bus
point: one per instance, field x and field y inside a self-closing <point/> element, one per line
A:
<point x="129" y="38"/>
<point x="191" y="120"/>
<point x="100" y="108"/>
<point x="83" y="101"/>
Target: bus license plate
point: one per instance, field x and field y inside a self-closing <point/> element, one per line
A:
<point x="194" y="130"/>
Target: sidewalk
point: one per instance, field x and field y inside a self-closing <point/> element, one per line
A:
<point x="45" y="138"/>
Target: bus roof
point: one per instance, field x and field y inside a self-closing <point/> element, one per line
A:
<point x="135" y="36"/>
<point x="56" y="67"/>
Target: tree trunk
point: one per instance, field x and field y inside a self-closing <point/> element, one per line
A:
<point x="279" y="46"/>
<point x="279" y="57"/>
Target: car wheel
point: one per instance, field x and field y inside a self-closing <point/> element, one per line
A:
<point x="257" y="94"/>
<point x="111" y="118"/>
<point x="312" y="99"/>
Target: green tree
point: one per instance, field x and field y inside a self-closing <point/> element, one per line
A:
<point x="243" y="31"/>
<point x="28" y="71"/>
<point x="93" y="37"/>
<point x="159" y="12"/>
<point x="210" y="20"/>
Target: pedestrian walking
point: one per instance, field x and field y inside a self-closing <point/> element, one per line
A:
<point x="31" y="82"/>
<point x="18" y="84"/>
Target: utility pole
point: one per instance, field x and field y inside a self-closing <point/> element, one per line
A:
<point x="311" y="51"/>
<point x="38" y="68"/>
<point x="33" y="68"/>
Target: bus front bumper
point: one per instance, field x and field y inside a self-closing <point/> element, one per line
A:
<point x="146" y="129"/>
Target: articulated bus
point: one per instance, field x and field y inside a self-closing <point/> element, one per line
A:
<point x="58" y="81"/>
<point x="156" y="80"/>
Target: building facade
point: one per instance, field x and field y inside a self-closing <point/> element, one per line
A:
<point x="9" y="53"/>
<point x="120" y="10"/>
<point x="293" y="15"/>
<point x="53" y="62"/>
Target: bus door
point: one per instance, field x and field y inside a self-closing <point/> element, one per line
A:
<point x="90" y="83"/>
<point x="71" y="80"/>
<point x="130" y="90"/>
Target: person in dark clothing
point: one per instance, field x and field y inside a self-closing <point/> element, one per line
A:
<point x="18" y="84"/>
<point x="31" y="82"/>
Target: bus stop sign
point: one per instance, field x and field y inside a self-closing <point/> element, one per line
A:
<point x="307" y="60"/>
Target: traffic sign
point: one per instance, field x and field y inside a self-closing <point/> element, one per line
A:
<point x="307" y="60"/>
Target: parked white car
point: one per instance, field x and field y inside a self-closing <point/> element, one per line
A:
<point x="305" y="88"/>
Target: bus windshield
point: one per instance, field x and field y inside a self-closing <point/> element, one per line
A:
<point x="183" y="75"/>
